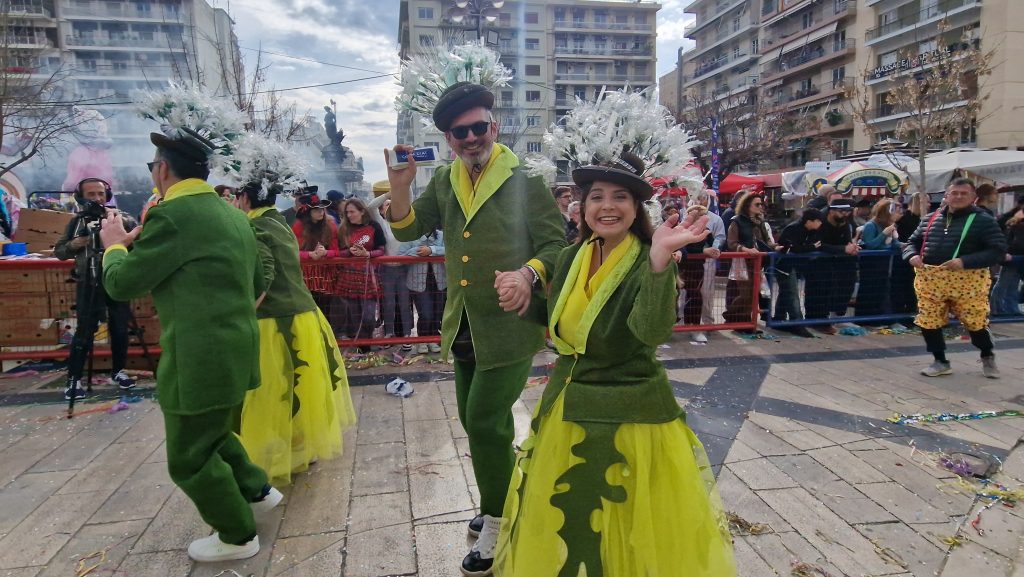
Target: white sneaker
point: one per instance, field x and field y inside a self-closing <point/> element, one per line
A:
<point x="699" y="338"/>
<point x="271" y="500"/>
<point x="211" y="548"/>
<point x="422" y="349"/>
<point x="434" y="347"/>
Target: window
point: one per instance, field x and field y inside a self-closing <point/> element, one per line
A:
<point x="841" y="146"/>
<point x="805" y="85"/>
<point x="577" y="17"/>
<point x="533" y="43"/>
<point x="533" y="120"/>
<point x="807" y="19"/>
<point x="927" y="46"/>
<point x="533" y="95"/>
<point x="600" y="17"/>
<point x="559" y="15"/>
<point x="838" y="75"/>
<point x="888" y="58"/>
<point x="641" y="18"/>
<point x="426" y="40"/>
<point x="533" y="69"/>
<point x="432" y="143"/>
<point x="533" y="146"/>
<point x="506" y="97"/>
<point x="532" y="18"/>
<point x="640" y="68"/>
<point x="755" y="47"/>
<point x="736" y="24"/>
<point x="736" y="53"/>
<point x="425" y="13"/>
<point x="580" y="92"/>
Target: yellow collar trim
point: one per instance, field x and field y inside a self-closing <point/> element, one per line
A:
<point x="498" y="170"/>
<point x="188" y="187"/>
<point x="258" y="212"/>
<point x="604" y="282"/>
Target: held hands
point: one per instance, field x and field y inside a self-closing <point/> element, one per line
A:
<point x="673" y="235"/>
<point x="852" y="249"/>
<point x="514" y="288"/>
<point x="318" y="253"/>
<point x="112" y="231"/>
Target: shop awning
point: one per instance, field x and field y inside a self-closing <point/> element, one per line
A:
<point x="734" y="182"/>
<point x="862" y="180"/>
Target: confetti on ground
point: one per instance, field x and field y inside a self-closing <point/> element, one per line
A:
<point x="888" y="555"/>
<point x="740" y="526"/>
<point x="534" y="381"/>
<point x="952" y="541"/>
<point x="902" y="419"/>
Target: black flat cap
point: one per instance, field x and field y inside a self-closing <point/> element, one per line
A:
<point x="458" y="98"/>
<point x="191" y="144"/>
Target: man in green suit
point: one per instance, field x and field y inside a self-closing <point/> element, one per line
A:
<point x="197" y="255"/>
<point x="502" y="233"/>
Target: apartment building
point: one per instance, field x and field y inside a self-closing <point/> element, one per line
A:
<point x="109" y="48"/>
<point x="899" y="32"/>
<point x="558" y="50"/>
<point x="800" y="56"/>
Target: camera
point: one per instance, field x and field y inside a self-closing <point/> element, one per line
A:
<point x="92" y="211"/>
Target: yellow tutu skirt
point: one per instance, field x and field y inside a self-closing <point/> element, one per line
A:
<point x="303" y="404"/>
<point x="668" y="522"/>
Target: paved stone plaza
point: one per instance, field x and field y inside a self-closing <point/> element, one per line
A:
<point x="795" y="428"/>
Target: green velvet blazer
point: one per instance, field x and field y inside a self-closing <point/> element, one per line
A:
<point x="197" y="255"/>
<point x="515" y="224"/>
<point x="619" y="379"/>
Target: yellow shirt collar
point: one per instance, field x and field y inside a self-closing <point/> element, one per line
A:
<point x="188" y="187"/>
<point x="258" y="212"/>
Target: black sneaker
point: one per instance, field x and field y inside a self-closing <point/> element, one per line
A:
<point x="74" y="389"/>
<point x="476" y="524"/>
<point x="473" y="565"/>
<point x="123" y="381"/>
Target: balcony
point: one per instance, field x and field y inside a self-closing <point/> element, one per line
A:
<point x="720" y="9"/>
<point x="28" y="11"/>
<point x="808" y="58"/>
<point x="107" y="70"/>
<point x="709" y="43"/>
<point x="890" y="112"/>
<point x="934" y="12"/>
<point x="577" y="25"/>
<point x="26" y="41"/>
<point x="602" y="51"/>
<point x="159" y="41"/>
<point x="596" y="77"/>
<point x="159" y="12"/>
<point x="838" y="11"/>
<point x="793" y="99"/>
<point x="707" y="69"/>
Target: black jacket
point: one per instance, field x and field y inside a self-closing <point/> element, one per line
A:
<point x="984" y="245"/>
<point x="795" y="238"/>
<point x="834" y="238"/>
<point x="76" y="228"/>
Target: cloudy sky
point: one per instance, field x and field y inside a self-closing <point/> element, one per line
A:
<point x="352" y="40"/>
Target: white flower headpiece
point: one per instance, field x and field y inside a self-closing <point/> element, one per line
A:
<point x="618" y="121"/>
<point x="197" y="118"/>
<point x="426" y="76"/>
<point x="268" y="163"/>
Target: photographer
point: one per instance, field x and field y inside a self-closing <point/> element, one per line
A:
<point x="92" y="304"/>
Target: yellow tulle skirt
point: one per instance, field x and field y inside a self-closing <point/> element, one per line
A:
<point x="303" y="404"/>
<point x="670" y="522"/>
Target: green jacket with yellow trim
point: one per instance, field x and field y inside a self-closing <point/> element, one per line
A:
<point x="197" y="255"/>
<point x="287" y="294"/>
<point x="619" y="379"/>
<point x="516" y="223"/>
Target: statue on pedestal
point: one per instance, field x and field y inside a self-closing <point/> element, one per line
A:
<point x="333" y="153"/>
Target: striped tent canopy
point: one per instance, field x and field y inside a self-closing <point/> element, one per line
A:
<point x="861" y="180"/>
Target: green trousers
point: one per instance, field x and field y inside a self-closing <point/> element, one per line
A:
<point x="485" y="408"/>
<point x="207" y="461"/>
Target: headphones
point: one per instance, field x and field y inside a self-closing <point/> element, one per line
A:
<point x="79" y="195"/>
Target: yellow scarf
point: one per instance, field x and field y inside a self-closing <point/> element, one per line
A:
<point x="497" y="170"/>
<point x="581" y="300"/>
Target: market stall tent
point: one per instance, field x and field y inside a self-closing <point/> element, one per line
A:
<point x="734" y="182"/>
<point x="1005" y="167"/>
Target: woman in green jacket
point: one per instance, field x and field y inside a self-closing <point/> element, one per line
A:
<point x="303" y="404"/>
<point x="611" y="480"/>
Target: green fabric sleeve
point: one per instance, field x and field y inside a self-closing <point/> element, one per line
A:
<point x="265" y="270"/>
<point x="654" y="313"/>
<point x="155" y="255"/>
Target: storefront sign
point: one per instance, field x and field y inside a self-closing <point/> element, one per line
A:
<point x="906" y="64"/>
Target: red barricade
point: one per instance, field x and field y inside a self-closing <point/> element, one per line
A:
<point x="383" y="301"/>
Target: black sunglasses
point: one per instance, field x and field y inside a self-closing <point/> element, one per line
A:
<point x="478" y="128"/>
<point x="150" y="165"/>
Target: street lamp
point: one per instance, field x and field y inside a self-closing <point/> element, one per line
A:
<point x="480" y="9"/>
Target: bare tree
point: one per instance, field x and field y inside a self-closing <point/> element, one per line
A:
<point x="751" y="133"/>
<point x="36" y="113"/>
<point x="940" y="92"/>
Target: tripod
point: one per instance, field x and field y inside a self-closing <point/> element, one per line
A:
<point x="90" y="295"/>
